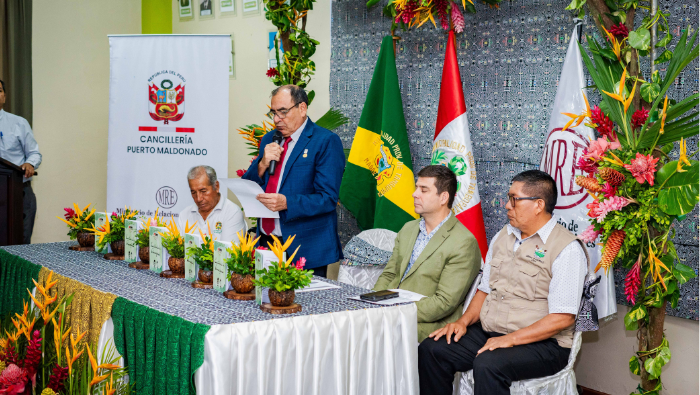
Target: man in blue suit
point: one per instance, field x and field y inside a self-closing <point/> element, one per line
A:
<point x="305" y="184"/>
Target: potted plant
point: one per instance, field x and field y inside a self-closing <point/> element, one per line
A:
<point x="175" y="244"/>
<point x="241" y="263"/>
<point x="144" y="234"/>
<point x="283" y="277"/>
<point x="113" y="231"/>
<point x="79" y="222"/>
<point x="204" y="257"/>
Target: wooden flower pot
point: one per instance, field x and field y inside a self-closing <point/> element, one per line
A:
<point x="145" y="255"/>
<point x="242" y="284"/>
<point x="86" y="239"/>
<point x="281" y="299"/>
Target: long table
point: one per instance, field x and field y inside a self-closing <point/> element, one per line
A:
<point x="178" y="339"/>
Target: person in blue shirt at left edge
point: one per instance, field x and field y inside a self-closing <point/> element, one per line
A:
<point x="304" y="188"/>
<point x="17" y="145"/>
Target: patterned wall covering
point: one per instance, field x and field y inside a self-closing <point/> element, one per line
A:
<point x="510" y="61"/>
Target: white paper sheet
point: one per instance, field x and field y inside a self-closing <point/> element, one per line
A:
<point x="317" y="285"/>
<point x="404" y="297"/>
<point x="246" y="191"/>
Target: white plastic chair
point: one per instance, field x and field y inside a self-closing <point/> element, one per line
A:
<point x="366" y="276"/>
<point x="562" y="383"/>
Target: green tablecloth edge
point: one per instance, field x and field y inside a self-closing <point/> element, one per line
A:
<point x="16" y="276"/>
<point x="162" y="356"/>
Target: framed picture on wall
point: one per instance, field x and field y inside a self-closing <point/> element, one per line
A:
<point x="185" y="7"/>
<point x="227" y="6"/>
<point x="205" y="8"/>
<point x="251" y="7"/>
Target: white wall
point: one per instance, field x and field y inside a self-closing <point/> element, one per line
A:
<point x="70" y="69"/>
<point x="603" y="361"/>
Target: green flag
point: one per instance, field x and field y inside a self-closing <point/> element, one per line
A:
<point x="378" y="180"/>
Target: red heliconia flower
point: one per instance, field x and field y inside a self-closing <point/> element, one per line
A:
<point x="441" y="6"/>
<point x="33" y="357"/>
<point x="301" y="263"/>
<point x="70" y="213"/>
<point x="240" y="172"/>
<point x="632" y="282"/>
<point x="408" y="12"/>
<point x="586" y="165"/>
<point x="604" y="125"/>
<point x="619" y="30"/>
<point x="272" y="72"/>
<point x="639" y="117"/>
<point x="609" y="190"/>
<point x="643" y="168"/>
<point x="57" y="379"/>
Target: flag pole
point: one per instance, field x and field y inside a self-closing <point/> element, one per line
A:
<point x="394" y="39"/>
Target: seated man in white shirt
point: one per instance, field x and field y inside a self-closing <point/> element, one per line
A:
<point x="225" y="218"/>
<point x="520" y="323"/>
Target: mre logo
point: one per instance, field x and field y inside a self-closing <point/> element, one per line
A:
<point x="166" y="197"/>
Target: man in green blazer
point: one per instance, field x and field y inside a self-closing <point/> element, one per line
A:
<point x="436" y="255"/>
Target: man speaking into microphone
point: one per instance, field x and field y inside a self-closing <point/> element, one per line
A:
<point x="300" y="167"/>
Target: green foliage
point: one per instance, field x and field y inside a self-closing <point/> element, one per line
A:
<point x="175" y="245"/>
<point x="204" y="254"/>
<point x="142" y="238"/>
<point x="637" y="313"/>
<point x="332" y="119"/>
<point x="283" y="278"/>
<point x="241" y="262"/>
<point x="680" y="194"/>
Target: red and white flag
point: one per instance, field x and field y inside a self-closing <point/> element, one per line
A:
<point x="452" y="147"/>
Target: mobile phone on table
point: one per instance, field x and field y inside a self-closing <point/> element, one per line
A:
<point x="379" y="295"/>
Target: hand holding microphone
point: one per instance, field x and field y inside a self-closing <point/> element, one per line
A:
<point x="273" y="152"/>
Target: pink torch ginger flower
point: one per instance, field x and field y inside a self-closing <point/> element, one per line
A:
<point x="615" y="203"/>
<point x="590" y="234"/>
<point x="301" y="263"/>
<point x="643" y="168"/>
<point x="457" y="19"/>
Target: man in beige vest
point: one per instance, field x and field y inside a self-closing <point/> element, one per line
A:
<point x="436" y="255"/>
<point x="519" y="325"/>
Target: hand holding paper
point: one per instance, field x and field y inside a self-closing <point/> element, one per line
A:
<point x="247" y="191"/>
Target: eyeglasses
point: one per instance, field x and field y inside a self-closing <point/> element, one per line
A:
<point x="281" y="113"/>
<point x="513" y="199"/>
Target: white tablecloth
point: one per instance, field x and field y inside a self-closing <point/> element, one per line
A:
<point x="360" y="352"/>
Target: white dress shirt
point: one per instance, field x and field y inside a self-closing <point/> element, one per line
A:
<point x="295" y="137"/>
<point x="17" y="143"/>
<point x="225" y="220"/>
<point x="569" y="271"/>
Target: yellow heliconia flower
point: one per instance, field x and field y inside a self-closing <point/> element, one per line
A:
<point x="72" y="225"/>
<point x="246" y="241"/>
<point x="663" y="115"/>
<point x="578" y="118"/>
<point x="95" y="369"/>
<point x="620" y="89"/>
<point x="616" y="45"/>
<point x="683" y="158"/>
<point x="655" y="265"/>
<point x="278" y="249"/>
<point x="615" y="161"/>
<point x="210" y="245"/>
<point x="101" y="231"/>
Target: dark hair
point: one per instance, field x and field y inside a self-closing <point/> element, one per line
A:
<point x="3" y="85"/>
<point x="298" y="94"/>
<point x="541" y="184"/>
<point x="445" y="180"/>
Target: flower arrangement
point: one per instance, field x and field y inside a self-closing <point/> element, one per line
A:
<point x="78" y="221"/>
<point x="242" y="256"/>
<point x="113" y="230"/>
<point x="142" y="237"/>
<point x="415" y="13"/>
<point x="639" y="190"/>
<point x="173" y="241"/>
<point x="283" y="275"/>
<point x="42" y="356"/>
<point x="204" y="254"/>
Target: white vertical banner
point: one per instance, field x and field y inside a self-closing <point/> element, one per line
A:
<point x="562" y="151"/>
<point x="168" y="111"/>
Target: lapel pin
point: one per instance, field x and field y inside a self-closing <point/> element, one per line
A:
<point x="306" y="151"/>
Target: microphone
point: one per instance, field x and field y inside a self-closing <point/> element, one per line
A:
<point x="276" y="138"/>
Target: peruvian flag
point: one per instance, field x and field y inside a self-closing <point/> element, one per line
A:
<point x="452" y="147"/>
